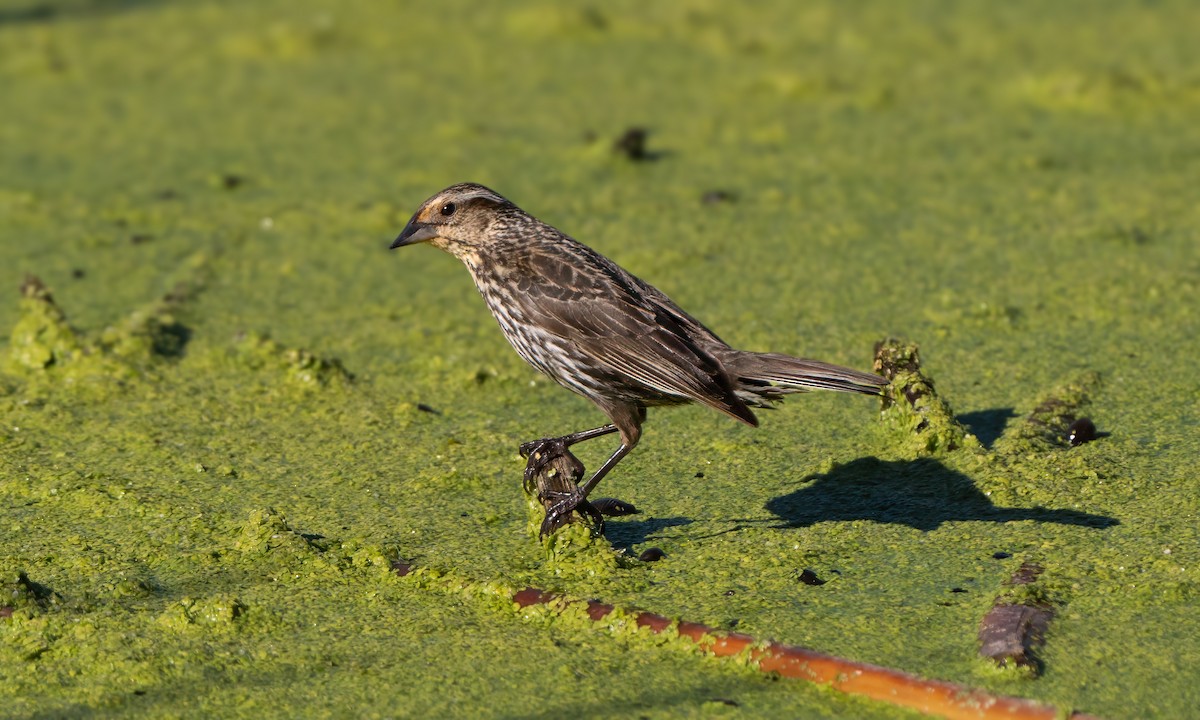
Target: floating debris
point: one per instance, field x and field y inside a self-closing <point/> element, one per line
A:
<point x="809" y="577"/>
<point x="552" y="472"/>
<point x="1081" y="431"/>
<point x="632" y="144"/>
<point x="1011" y="632"/>
<point x="21" y="597"/>
<point x="300" y="366"/>
<point x="41" y="337"/>
<point x="933" y="697"/>
<point x="716" y="197"/>
<point x="1049" y="425"/>
<point x="652" y="555"/>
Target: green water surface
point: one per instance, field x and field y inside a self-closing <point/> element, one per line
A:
<point x="210" y="458"/>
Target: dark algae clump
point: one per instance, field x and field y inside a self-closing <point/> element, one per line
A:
<point x="1055" y="420"/>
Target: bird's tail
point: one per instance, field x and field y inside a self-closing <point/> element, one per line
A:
<point x="767" y="375"/>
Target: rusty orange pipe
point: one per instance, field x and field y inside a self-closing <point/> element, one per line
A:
<point x="933" y="697"/>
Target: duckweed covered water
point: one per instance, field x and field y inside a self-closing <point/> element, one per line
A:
<point x="212" y="444"/>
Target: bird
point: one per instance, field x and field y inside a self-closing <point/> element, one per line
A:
<point x="598" y="330"/>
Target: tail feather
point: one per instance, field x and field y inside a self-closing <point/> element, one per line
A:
<point x="772" y="374"/>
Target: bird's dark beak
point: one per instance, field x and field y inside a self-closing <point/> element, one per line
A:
<point x="413" y="233"/>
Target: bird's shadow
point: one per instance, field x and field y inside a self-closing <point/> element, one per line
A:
<point x="626" y="534"/>
<point x="987" y="425"/>
<point x="921" y="493"/>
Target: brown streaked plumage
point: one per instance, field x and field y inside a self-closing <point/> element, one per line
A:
<point x="596" y="329"/>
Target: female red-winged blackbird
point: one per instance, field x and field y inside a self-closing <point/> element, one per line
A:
<point x="598" y="330"/>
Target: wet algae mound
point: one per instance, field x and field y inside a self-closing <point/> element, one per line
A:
<point x="227" y="412"/>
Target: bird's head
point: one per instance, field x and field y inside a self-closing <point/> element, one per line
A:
<point x="456" y="219"/>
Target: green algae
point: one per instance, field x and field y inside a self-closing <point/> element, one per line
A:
<point x="1005" y="184"/>
<point x="911" y="405"/>
<point x="574" y="551"/>
<point x="43" y="343"/>
<point x="42" y="336"/>
<point x="297" y="366"/>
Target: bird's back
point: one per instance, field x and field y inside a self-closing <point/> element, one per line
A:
<point x="596" y="328"/>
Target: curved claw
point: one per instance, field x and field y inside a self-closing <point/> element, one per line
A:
<point x="589" y="511"/>
<point x="545" y="446"/>
<point x="540" y="453"/>
<point x="559" y="514"/>
<point x="554" y="473"/>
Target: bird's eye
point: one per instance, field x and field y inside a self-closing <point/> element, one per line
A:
<point x="448" y="209"/>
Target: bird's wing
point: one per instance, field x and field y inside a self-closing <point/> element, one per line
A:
<point x="624" y="325"/>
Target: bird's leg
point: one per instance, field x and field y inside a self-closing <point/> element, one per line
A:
<point x="553" y="474"/>
<point x="627" y="418"/>
<point x="542" y="453"/>
<point x="609" y="464"/>
<point x="533" y="446"/>
<point x="557" y="514"/>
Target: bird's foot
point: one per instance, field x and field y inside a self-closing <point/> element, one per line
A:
<point x="552" y="473"/>
<point x="548" y="446"/>
<point x="539" y="454"/>
<point x="558" y="513"/>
